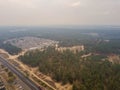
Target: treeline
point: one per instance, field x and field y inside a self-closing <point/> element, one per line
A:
<point x="91" y="73"/>
<point x="13" y="50"/>
<point x="111" y="47"/>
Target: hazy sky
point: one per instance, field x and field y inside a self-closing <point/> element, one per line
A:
<point x="59" y="12"/>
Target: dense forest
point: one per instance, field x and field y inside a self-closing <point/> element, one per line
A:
<point x="90" y="73"/>
<point x="13" y="50"/>
<point x="106" y="47"/>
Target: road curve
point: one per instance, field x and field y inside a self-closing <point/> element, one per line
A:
<point x="27" y="81"/>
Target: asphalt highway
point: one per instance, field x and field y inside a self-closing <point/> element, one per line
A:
<point x="26" y="80"/>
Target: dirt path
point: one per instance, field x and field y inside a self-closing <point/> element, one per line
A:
<point x="35" y="72"/>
